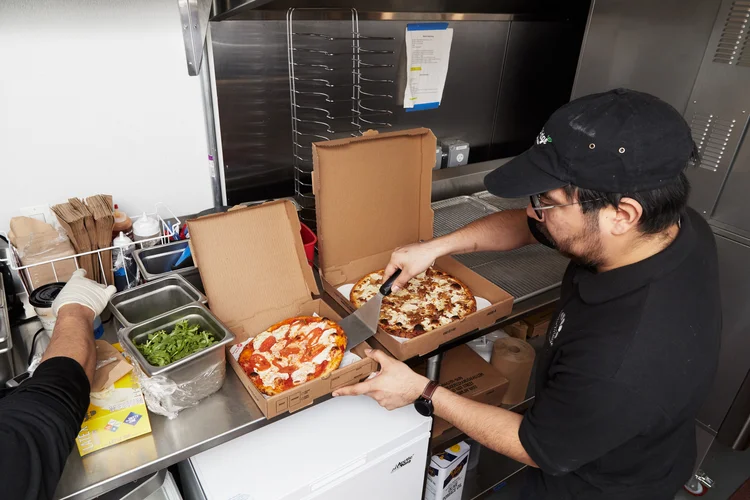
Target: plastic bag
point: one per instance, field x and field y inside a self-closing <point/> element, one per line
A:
<point x="166" y="397"/>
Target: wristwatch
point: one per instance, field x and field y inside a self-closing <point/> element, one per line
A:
<point x="423" y="404"/>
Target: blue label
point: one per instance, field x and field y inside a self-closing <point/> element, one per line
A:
<point x="426" y="26"/>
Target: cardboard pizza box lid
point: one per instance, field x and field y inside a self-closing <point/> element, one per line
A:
<point x="370" y="198"/>
<point x="253" y="264"/>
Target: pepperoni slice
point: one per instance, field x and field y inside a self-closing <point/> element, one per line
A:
<point x="267" y="344"/>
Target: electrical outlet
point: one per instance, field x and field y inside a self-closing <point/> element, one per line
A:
<point x="39" y="212"/>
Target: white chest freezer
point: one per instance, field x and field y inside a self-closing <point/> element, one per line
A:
<point x="342" y="449"/>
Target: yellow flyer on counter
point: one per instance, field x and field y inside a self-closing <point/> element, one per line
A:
<point x="116" y="414"/>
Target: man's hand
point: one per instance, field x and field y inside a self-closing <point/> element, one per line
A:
<point x="396" y="385"/>
<point x="412" y="260"/>
<point x="83" y="291"/>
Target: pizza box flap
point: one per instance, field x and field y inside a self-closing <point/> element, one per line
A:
<point x="251" y="261"/>
<point x="372" y="194"/>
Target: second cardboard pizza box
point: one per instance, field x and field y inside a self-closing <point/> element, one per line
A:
<point x="373" y="195"/>
<point x="255" y="273"/>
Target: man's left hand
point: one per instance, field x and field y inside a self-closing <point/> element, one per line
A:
<point x="394" y="386"/>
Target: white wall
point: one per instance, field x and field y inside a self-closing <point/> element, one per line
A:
<point x="95" y="98"/>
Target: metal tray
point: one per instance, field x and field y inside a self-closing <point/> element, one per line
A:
<point x="501" y="203"/>
<point x="455" y="213"/>
<point x="152" y="299"/>
<point x="190" y="367"/>
<point x="523" y="272"/>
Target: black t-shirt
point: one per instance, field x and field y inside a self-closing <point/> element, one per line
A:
<point x="39" y="422"/>
<point x="627" y="361"/>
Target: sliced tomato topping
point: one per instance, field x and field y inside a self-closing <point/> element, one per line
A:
<point x="288" y="351"/>
<point x="313" y="351"/>
<point x="267" y="344"/>
<point x="320" y="368"/>
<point x="258" y="363"/>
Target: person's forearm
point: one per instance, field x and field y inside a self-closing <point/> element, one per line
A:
<point x="493" y="427"/>
<point x="506" y="230"/>
<point x="73" y="337"/>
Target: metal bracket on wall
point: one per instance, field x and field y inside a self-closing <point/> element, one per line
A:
<point x="194" y="16"/>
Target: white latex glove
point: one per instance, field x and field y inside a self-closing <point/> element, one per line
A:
<point x="83" y="291"/>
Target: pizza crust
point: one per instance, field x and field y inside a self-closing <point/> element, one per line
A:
<point x="430" y="300"/>
<point x="292" y="352"/>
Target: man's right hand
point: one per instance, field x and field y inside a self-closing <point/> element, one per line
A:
<point x="412" y="260"/>
<point x="83" y="291"/>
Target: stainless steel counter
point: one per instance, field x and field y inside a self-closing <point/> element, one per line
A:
<point x="224" y="416"/>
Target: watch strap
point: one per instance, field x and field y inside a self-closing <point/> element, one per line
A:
<point x="429" y="390"/>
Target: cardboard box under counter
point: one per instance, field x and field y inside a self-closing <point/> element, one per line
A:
<point x="255" y="273"/>
<point x="465" y="373"/>
<point x="373" y="195"/>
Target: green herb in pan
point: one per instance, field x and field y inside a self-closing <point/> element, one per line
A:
<point x="163" y="348"/>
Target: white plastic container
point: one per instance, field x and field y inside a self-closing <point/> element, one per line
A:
<point x="483" y="345"/>
<point x="146" y="227"/>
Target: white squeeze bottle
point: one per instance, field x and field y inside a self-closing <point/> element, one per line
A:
<point x="144" y="228"/>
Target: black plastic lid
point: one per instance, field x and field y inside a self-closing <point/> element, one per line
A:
<point x="45" y="294"/>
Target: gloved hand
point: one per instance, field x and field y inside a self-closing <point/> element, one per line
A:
<point x="83" y="291"/>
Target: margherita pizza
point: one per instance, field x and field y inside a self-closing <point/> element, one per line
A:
<point x="292" y="352"/>
<point x="430" y="300"/>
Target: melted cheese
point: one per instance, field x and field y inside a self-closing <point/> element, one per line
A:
<point x="305" y="369"/>
<point x="269" y="376"/>
<point x="325" y="336"/>
<point x="323" y="355"/>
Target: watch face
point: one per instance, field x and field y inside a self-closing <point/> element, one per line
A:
<point x="424" y="407"/>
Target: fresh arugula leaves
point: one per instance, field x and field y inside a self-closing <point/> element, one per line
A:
<point x="163" y="348"/>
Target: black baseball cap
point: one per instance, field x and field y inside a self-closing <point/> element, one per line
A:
<point x="621" y="141"/>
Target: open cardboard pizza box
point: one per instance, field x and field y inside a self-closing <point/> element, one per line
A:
<point x="255" y="273"/>
<point x="372" y="195"/>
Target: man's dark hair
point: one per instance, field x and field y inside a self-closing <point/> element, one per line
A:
<point x="662" y="206"/>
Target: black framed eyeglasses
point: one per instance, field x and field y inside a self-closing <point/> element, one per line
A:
<point x="539" y="208"/>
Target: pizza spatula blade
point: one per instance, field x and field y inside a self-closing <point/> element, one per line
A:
<point x="363" y="323"/>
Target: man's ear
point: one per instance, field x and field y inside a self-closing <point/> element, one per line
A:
<point x="627" y="216"/>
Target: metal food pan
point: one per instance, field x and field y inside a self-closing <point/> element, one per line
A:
<point x="144" y="302"/>
<point x="188" y="368"/>
<point x="157" y="261"/>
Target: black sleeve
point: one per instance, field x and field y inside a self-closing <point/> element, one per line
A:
<point x="537" y="234"/>
<point x="576" y="419"/>
<point x="39" y="422"/>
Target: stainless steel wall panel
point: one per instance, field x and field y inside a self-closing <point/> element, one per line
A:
<point x="719" y="106"/>
<point x="732" y="208"/>
<point x="734" y="358"/>
<point x="646" y="45"/>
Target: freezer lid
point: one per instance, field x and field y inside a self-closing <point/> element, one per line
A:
<point x="338" y="437"/>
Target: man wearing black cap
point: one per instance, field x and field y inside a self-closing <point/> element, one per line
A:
<point x="633" y="347"/>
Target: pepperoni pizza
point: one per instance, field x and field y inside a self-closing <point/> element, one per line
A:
<point x="292" y="352"/>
